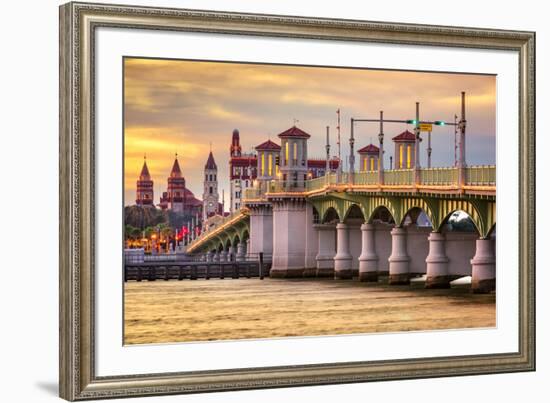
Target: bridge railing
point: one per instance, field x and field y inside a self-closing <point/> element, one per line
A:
<point x="317" y="183"/>
<point x="253" y="193"/>
<point x="484" y="175"/>
<point x="366" y="178"/>
<point x="399" y="177"/>
<point x="221" y="223"/>
<point x="481" y="175"/>
<point x="439" y="176"/>
<point x="280" y="186"/>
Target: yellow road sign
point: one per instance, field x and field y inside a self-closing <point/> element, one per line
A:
<point x="425" y="127"/>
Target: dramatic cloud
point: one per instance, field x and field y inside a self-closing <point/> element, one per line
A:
<point x="188" y="107"/>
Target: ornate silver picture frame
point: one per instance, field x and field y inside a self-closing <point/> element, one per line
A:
<point x="78" y="159"/>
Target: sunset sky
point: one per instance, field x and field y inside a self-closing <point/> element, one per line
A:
<point x="183" y="106"/>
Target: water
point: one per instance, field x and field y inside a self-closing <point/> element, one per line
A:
<point x="181" y="311"/>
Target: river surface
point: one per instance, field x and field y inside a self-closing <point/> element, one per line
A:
<point x="201" y="310"/>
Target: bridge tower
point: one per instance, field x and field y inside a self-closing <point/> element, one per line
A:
<point x="294" y="157"/>
<point x="405" y="150"/>
<point x="291" y="215"/>
<point x="368" y="158"/>
<point x="210" y="196"/>
<point x="144" y="187"/>
<point x="267" y="168"/>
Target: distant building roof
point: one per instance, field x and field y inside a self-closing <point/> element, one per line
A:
<point x="370" y="149"/>
<point x="144" y="175"/>
<point x="321" y="163"/>
<point x="176" y="171"/>
<point x="210" y="163"/>
<point x="406" y="137"/>
<point x="268" y="146"/>
<point x="244" y="161"/>
<point x="294" y="132"/>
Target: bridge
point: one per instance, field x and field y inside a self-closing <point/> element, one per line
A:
<point x="366" y="225"/>
<point x="402" y="223"/>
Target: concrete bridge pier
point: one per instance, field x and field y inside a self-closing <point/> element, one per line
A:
<point x="327" y="249"/>
<point x="437" y="263"/>
<point x="261" y="229"/>
<point x="368" y="260"/>
<point x="223" y="256"/>
<point x="355" y="244"/>
<point x="231" y="254"/>
<point x="342" y="259"/>
<point x="483" y="266"/>
<point x="208" y="257"/>
<point x="241" y="251"/>
<point x="289" y="243"/>
<point x="216" y="257"/>
<point x="312" y="244"/>
<point x="399" y="260"/>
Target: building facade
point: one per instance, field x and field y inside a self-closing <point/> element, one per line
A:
<point x="177" y="197"/>
<point x="242" y="172"/>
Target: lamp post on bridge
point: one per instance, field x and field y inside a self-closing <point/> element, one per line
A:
<point x="327" y="169"/>
<point x="351" y="155"/>
<point x="417" y="145"/>
<point x="381" y="150"/>
<point x="462" y="142"/>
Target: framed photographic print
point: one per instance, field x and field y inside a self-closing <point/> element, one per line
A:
<point x="255" y="201"/>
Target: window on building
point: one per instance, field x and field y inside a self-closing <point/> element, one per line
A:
<point x="365" y="164"/>
<point x="215" y="177"/>
<point x="295" y="154"/>
<point x="210" y="190"/>
<point x="262" y="165"/>
<point x="286" y="153"/>
<point x="371" y="164"/>
<point x="269" y="165"/>
<point x="408" y="156"/>
<point x="400" y="165"/>
<point x="206" y="177"/>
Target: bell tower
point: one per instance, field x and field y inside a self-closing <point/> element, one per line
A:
<point x="144" y="187"/>
<point x="210" y="196"/>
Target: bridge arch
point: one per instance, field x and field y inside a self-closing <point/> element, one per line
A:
<point x="412" y="206"/>
<point x="354" y="211"/>
<point x="235" y="240"/>
<point x="227" y="244"/>
<point x="244" y="234"/>
<point x="482" y="215"/>
<point x="465" y="226"/>
<point x="330" y="215"/>
<point x="373" y="205"/>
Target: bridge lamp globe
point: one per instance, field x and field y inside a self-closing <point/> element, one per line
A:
<point x="439" y="123"/>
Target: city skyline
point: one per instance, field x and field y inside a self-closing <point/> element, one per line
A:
<point x="186" y="107"/>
